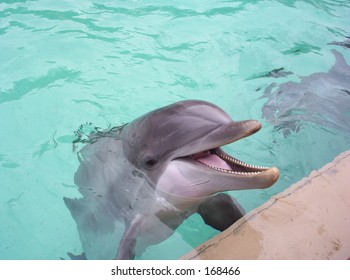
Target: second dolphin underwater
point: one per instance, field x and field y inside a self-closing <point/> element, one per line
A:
<point x="139" y="182"/>
<point x="320" y="98"/>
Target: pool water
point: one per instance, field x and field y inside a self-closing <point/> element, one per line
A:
<point x="68" y="63"/>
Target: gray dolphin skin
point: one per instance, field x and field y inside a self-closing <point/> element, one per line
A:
<point x="139" y="182"/>
<point x="321" y="98"/>
<point x="344" y="44"/>
<point x="275" y="73"/>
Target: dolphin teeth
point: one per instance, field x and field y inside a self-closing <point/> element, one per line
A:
<point x="234" y="160"/>
<point x="230" y="171"/>
<point x="233" y="163"/>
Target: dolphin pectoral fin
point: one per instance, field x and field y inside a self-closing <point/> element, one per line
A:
<point x="220" y="211"/>
<point x="99" y="231"/>
<point x="83" y="212"/>
<point x="82" y="256"/>
<point x="126" y="250"/>
<point x="74" y="205"/>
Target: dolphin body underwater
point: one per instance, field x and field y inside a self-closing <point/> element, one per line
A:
<point x="139" y="182"/>
<point x="321" y="98"/>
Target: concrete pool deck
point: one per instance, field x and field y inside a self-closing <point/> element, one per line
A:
<point x="309" y="220"/>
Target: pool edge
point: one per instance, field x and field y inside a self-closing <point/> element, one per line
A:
<point x="308" y="220"/>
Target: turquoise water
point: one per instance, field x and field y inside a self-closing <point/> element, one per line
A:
<point x="66" y="63"/>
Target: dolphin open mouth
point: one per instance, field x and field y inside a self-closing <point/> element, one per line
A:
<point x="215" y="158"/>
<point x="218" y="160"/>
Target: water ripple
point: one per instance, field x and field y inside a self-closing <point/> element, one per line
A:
<point x="171" y="11"/>
<point x="30" y="85"/>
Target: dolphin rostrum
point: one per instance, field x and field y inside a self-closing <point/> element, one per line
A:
<point x="139" y="182"/>
<point x="345" y="43"/>
<point x="275" y="73"/>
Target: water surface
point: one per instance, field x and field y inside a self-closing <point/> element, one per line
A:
<point x="64" y="64"/>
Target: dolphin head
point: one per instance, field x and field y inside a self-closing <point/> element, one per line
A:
<point x="178" y="147"/>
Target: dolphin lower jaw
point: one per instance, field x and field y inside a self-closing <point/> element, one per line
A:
<point x="187" y="179"/>
<point x="238" y="176"/>
<point x="203" y="174"/>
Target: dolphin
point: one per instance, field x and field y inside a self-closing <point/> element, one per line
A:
<point x="140" y="181"/>
<point x="344" y="44"/>
<point x="275" y="73"/>
<point x="321" y="98"/>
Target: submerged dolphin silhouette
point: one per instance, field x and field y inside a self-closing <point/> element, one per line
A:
<point x="275" y="73"/>
<point x="140" y="181"/>
<point x="345" y="43"/>
<point x="322" y="98"/>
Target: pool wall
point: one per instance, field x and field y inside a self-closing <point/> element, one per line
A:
<point x="309" y="220"/>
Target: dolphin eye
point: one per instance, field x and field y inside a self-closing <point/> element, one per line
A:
<point x="150" y="162"/>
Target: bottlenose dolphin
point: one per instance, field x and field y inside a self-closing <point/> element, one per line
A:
<point x="322" y="98"/>
<point x="275" y="73"/>
<point x="139" y="182"/>
<point x="345" y="43"/>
